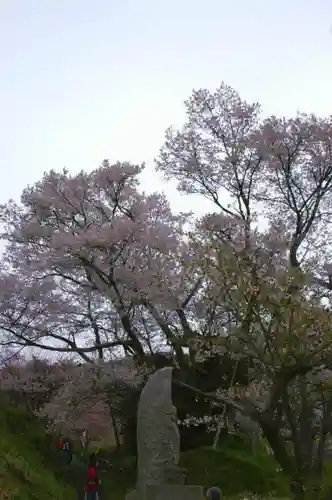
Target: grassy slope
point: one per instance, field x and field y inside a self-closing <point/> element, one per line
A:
<point x="236" y="469"/>
<point x="233" y="467"/>
<point x="30" y="469"/>
<point x="24" y="472"/>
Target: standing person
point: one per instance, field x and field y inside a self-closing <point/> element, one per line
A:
<point x="67" y="451"/>
<point x="92" y="482"/>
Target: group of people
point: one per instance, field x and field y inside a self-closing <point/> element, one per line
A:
<point x="92" y="482"/>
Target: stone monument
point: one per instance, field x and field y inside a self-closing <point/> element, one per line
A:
<point x="159" y="476"/>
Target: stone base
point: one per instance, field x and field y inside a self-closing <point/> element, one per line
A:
<point x="169" y="492"/>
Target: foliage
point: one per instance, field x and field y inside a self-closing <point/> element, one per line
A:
<point x="196" y="414"/>
<point x="70" y="398"/>
<point x="97" y="269"/>
<point x="236" y="468"/>
<point x="233" y="467"/>
<point x="24" y="475"/>
<point x="254" y="472"/>
<point x="93" y="246"/>
<point x="35" y="472"/>
<point x="269" y="282"/>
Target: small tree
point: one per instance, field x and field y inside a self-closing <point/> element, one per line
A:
<point x="31" y="383"/>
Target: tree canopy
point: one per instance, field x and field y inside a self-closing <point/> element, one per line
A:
<point x="96" y="268"/>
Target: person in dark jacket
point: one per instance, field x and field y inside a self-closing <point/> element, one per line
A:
<point x="213" y="493"/>
<point x="66" y="450"/>
<point x="92" y="483"/>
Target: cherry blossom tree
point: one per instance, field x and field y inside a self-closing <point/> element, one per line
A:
<point x="57" y="316"/>
<point x="276" y="171"/>
<point x="89" y="398"/>
<point x="92" y="263"/>
<point x="32" y="383"/>
<point x="91" y="252"/>
<point x="70" y="397"/>
<point x="264" y="255"/>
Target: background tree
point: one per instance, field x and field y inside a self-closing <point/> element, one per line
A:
<point x="93" y="236"/>
<point x="249" y="280"/>
<point x="275" y="172"/>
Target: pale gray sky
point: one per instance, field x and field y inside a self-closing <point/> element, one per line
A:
<point x="84" y="80"/>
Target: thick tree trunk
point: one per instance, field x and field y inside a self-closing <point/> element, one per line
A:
<point x="279" y="449"/>
<point x="305" y="482"/>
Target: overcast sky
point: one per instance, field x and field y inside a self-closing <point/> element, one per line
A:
<point x="84" y="80"/>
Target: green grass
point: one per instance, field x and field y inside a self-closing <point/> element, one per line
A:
<point x="236" y="469"/>
<point x="30" y="468"/>
<point x="233" y="467"/>
<point x="24" y="472"/>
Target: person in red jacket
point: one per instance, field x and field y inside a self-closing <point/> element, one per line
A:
<point x="92" y="481"/>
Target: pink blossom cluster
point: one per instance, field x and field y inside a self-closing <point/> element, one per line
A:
<point x="96" y="269"/>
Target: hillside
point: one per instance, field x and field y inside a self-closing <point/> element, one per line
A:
<point x="30" y="468"/>
<point x="26" y="470"/>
